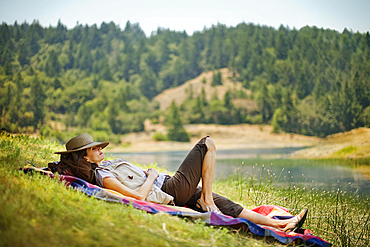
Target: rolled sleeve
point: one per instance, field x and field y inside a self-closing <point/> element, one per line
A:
<point x="101" y="174"/>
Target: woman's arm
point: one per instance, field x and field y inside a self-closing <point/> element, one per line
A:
<point x="141" y="193"/>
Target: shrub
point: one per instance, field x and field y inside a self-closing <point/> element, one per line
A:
<point x="257" y="119"/>
<point x="179" y="135"/>
<point x="159" y="137"/>
<point x="216" y="79"/>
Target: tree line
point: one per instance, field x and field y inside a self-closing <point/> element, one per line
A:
<point x="103" y="78"/>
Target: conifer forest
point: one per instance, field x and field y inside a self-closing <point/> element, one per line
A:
<point x="104" y="78"/>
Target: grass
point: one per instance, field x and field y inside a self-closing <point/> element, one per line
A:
<point x="345" y="151"/>
<point x="337" y="216"/>
<point x="39" y="211"/>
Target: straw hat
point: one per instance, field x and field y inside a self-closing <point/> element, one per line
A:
<point x="81" y="142"/>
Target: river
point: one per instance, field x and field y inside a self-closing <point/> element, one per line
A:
<point x="328" y="175"/>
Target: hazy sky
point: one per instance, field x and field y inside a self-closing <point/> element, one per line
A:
<point x="190" y="15"/>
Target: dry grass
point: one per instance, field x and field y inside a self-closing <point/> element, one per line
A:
<point x="180" y="93"/>
<point x="354" y="144"/>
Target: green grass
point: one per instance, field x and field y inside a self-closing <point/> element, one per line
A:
<point x="337" y="216"/>
<point x="39" y="211"/>
<point x="345" y="151"/>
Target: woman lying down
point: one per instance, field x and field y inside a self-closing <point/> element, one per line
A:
<point x="84" y="159"/>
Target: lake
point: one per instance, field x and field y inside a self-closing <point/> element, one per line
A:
<point x="326" y="175"/>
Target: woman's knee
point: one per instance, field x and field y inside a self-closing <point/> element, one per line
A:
<point x="211" y="146"/>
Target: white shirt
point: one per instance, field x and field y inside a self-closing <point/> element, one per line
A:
<point x="101" y="174"/>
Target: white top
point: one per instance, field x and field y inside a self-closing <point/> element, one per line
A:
<point x="101" y="174"/>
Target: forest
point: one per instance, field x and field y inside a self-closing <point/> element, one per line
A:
<point x="103" y="79"/>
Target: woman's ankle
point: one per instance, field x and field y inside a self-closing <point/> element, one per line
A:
<point x="207" y="200"/>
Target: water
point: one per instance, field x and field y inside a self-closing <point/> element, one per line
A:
<point x="326" y="175"/>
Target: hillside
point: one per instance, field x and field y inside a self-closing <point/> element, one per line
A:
<point x="349" y="145"/>
<point x="180" y="93"/>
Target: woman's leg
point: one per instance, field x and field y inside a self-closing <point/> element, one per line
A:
<point x="208" y="171"/>
<point x="186" y="179"/>
<point x="284" y="225"/>
<point x="233" y="209"/>
<point x="200" y="163"/>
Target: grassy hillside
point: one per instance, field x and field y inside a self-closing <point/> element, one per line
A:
<point x="354" y="144"/>
<point x="39" y="211"/>
<point x="204" y="81"/>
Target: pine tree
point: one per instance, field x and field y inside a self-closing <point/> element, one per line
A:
<point x="52" y="64"/>
<point x="319" y="90"/>
<point x="176" y="131"/>
<point x="289" y="112"/>
<point x="282" y="44"/>
<point x="361" y="90"/>
<point x="24" y="52"/>
<point x="217" y="79"/>
<point x="301" y="88"/>
<point x="351" y="108"/>
<point x="37" y="97"/>
<point x="264" y="103"/>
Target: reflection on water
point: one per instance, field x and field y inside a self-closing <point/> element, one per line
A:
<point x="318" y="174"/>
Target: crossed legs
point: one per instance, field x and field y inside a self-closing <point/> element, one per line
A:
<point x="208" y="170"/>
<point x="200" y="164"/>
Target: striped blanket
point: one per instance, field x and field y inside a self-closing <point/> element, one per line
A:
<point x="305" y="236"/>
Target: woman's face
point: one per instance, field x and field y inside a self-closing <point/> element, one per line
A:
<point x="94" y="154"/>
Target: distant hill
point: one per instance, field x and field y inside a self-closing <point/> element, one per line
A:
<point x="180" y="93"/>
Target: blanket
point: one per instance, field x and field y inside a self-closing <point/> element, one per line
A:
<point x="305" y="236"/>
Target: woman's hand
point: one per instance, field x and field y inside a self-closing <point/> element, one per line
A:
<point x="141" y="193"/>
<point x="151" y="172"/>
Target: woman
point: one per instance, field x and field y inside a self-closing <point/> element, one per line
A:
<point x="84" y="159"/>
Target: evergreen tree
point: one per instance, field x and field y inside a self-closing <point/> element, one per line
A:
<point x="301" y="88"/>
<point x="8" y="69"/>
<point x="52" y="64"/>
<point x="361" y="91"/>
<point x="113" y="118"/>
<point x="320" y="90"/>
<point x="264" y="103"/>
<point x="37" y="97"/>
<point x="278" y="121"/>
<point x="217" y="79"/>
<point x="176" y="131"/>
<point x="351" y="108"/>
<point x="33" y="41"/>
<point x="23" y="56"/>
<point x="289" y="112"/>
<point x="282" y="44"/>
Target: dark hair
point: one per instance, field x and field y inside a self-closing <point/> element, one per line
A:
<point x="80" y="154"/>
<point x="79" y="166"/>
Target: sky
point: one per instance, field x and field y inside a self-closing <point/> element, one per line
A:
<point x="191" y="15"/>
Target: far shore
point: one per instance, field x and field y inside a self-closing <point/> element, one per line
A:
<point x="353" y="144"/>
<point x="242" y="136"/>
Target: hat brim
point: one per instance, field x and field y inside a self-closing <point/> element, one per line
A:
<point x="93" y="144"/>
